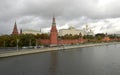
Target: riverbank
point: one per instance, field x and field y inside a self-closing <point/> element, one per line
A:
<point x="32" y="51"/>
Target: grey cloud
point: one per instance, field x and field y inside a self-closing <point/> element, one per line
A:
<point x="38" y="13"/>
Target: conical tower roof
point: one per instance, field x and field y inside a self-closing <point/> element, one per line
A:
<point x="53" y="21"/>
<point x="15" y="30"/>
<point x="53" y="29"/>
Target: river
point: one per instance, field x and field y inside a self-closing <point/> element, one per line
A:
<point x="99" y="60"/>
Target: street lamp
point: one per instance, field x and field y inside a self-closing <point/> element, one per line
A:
<point x="4" y="44"/>
<point x="36" y="43"/>
<point x="30" y="43"/>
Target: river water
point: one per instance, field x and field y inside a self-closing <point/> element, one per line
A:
<point x="99" y="60"/>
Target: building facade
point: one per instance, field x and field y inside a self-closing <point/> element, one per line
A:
<point x="71" y="30"/>
<point x="88" y="31"/>
<point x="54" y="37"/>
<point x="29" y="31"/>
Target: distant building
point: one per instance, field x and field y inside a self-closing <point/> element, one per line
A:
<point x="29" y="31"/>
<point x="15" y="30"/>
<point x="54" y="37"/>
<point x="20" y="31"/>
<point x="88" y="31"/>
<point x="71" y="30"/>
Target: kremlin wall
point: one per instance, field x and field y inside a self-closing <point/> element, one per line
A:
<point x="54" y="37"/>
<point x="54" y="40"/>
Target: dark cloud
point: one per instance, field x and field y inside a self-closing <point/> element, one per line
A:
<point x="36" y="14"/>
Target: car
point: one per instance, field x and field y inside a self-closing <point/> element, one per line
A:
<point x="38" y="47"/>
<point x="24" y="47"/>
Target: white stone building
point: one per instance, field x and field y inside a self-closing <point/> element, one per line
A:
<point x="88" y="30"/>
<point x="71" y="30"/>
<point x="29" y="31"/>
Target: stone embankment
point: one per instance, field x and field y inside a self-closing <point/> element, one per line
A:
<point x="32" y="51"/>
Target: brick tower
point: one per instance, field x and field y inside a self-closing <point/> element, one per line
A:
<point x="20" y="31"/>
<point x="15" y="31"/>
<point x="53" y="33"/>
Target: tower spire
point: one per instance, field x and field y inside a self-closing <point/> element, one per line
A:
<point x="15" y="30"/>
<point x="53" y="21"/>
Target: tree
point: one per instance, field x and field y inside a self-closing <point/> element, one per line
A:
<point x="102" y="35"/>
<point x="26" y="39"/>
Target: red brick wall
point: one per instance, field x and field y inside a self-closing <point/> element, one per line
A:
<point x="106" y="39"/>
<point x="71" y="41"/>
<point x="45" y="41"/>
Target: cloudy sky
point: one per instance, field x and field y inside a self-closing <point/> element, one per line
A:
<point x="101" y="15"/>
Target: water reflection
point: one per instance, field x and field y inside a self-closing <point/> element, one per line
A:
<point x="99" y="60"/>
<point x="53" y="63"/>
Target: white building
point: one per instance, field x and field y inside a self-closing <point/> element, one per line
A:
<point x="29" y="31"/>
<point x="71" y="30"/>
<point x="88" y="30"/>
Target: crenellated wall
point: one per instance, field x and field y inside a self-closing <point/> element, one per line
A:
<point x="44" y="41"/>
<point x="71" y="41"/>
<point x="54" y="37"/>
<point x="47" y="41"/>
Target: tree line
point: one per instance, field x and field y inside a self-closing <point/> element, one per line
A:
<point x="21" y="40"/>
<point x="33" y="40"/>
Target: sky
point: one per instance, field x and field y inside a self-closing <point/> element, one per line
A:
<point x="102" y="16"/>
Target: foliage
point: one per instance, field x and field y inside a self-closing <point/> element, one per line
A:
<point x="69" y="36"/>
<point x="24" y="40"/>
<point x="100" y="35"/>
<point x="32" y="40"/>
<point x="88" y="37"/>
